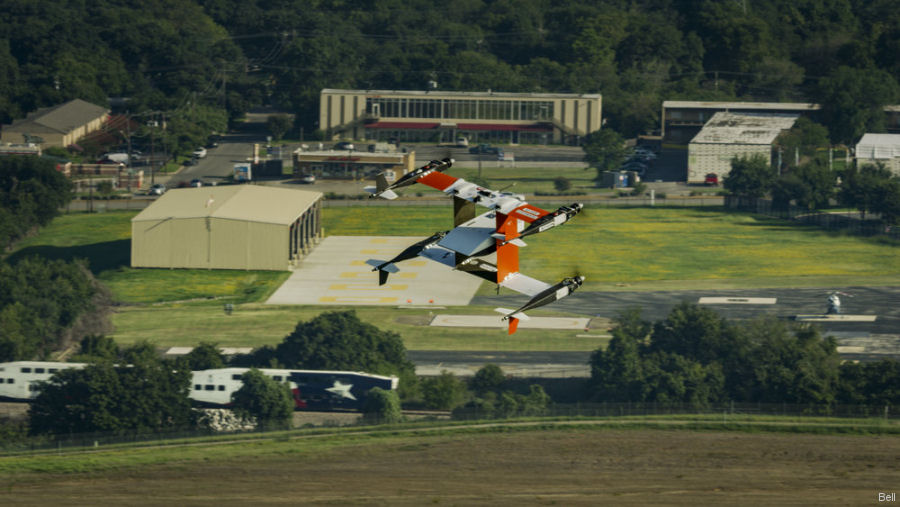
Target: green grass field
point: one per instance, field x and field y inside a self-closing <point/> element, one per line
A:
<point x="615" y="248"/>
<point x="679" y="247"/>
<point x="705" y="460"/>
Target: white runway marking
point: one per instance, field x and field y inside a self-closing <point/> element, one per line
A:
<point x="836" y="318"/>
<point x="336" y="273"/>
<point x="577" y="323"/>
<point x="736" y="301"/>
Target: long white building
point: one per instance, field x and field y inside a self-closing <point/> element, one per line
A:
<point x="443" y="116"/>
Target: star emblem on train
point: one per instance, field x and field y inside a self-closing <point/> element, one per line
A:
<point x="342" y="390"/>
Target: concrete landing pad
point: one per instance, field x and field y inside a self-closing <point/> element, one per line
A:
<point x="736" y="301"/>
<point x="836" y="318"/>
<point x="574" y="323"/>
<point x="336" y="273"/>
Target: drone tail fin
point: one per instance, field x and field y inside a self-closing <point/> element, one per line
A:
<point x="384" y="269"/>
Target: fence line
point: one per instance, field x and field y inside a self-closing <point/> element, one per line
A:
<point x="850" y="221"/>
<point x="575" y="410"/>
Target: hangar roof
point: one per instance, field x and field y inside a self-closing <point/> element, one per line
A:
<point x="883" y="146"/>
<point x="253" y="203"/>
<point x="744" y="128"/>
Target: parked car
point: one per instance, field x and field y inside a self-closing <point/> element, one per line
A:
<point x="158" y="189"/>
<point x="196" y="182"/>
<point x="712" y="179"/>
<point x="344" y="145"/>
<point x="200" y="152"/>
<point x="309" y="179"/>
<point x="486" y="148"/>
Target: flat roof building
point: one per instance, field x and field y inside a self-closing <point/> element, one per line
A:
<point x="227" y="227"/>
<point x="681" y="120"/>
<point x="443" y="116"/>
<point x="352" y="164"/>
<point x="729" y="135"/>
<point x="879" y="149"/>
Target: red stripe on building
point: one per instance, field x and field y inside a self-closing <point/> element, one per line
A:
<point x="402" y="125"/>
<point x="504" y="127"/>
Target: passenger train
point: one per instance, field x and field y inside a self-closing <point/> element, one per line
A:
<point x="310" y="389"/>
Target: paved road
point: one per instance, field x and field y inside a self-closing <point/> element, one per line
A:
<point x="884" y="302"/>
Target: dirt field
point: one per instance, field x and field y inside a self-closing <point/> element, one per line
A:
<point x="553" y="467"/>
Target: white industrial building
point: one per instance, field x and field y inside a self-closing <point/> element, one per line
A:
<point x="729" y="135"/>
<point x="879" y="148"/>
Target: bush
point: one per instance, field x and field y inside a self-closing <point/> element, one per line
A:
<point x="263" y="398"/>
<point x="444" y="392"/>
<point x="488" y="378"/>
<point x="561" y="184"/>
<point x="382" y="407"/>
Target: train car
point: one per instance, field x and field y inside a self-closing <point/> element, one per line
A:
<point x="311" y="389"/>
<point x="18" y="379"/>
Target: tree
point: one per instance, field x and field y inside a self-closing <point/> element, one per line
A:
<point x="278" y="125"/>
<point x="382" y="407"/>
<point x="340" y="341"/>
<point x="750" y="177"/>
<point x="142" y="397"/>
<point x="562" y="184"/>
<point x="673" y="378"/>
<point x="887" y="201"/>
<point x="853" y="101"/>
<point x="488" y="378"/>
<point x="97" y="348"/>
<point x="876" y="383"/>
<point x="806" y="137"/>
<point x="444" y="392"/>
<point x="205" y="356"/>
<point x="810" y="185"/>
<point x="617" y="372"/>
<point x="860" y="187"/>
<point x="792" y="364"/>
<point x="604" y="149"/>
<point x="264" y="399"/>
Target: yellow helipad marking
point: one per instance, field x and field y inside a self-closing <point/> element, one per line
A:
<point x="354" y="274"/>
<point x="378" y="240"/>
<point x="358" y="263"/>
<point x="369" y="251"/>
<point x="344" y="286"/>
<point x="407" y="275"/>
<point x="357" y="299"/>
<point x="417" y="264"/>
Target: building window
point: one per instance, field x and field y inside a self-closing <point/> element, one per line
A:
<point x="198" y="387"/>
<point x="26" y="370"/>
<point x="39" y="370"/>
<point x="236" y="376"/>
<point x="210" y="387"/>
<point x="221" y="388"/>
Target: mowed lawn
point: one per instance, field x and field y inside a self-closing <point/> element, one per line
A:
<point x="104" y="241"/>
<point x="613" y="247"/>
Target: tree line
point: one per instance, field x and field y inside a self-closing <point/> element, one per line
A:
<point x="693" y="357"/>
<point x="45" y="305"/>
<point x="696" y="357"/>
<point x="231" y="55"/>
<point x="813" y="186"/>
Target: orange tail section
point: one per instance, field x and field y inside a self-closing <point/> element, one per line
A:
<point x="508" y="254"/>
<point x="513" y="324"/>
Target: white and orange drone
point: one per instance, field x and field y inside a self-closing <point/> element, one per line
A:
<point x="499" y="230"/>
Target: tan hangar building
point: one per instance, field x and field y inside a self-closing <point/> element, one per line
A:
<point x="247" y="227"/>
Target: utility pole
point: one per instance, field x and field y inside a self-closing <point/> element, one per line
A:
<point x="152" y="131"/>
